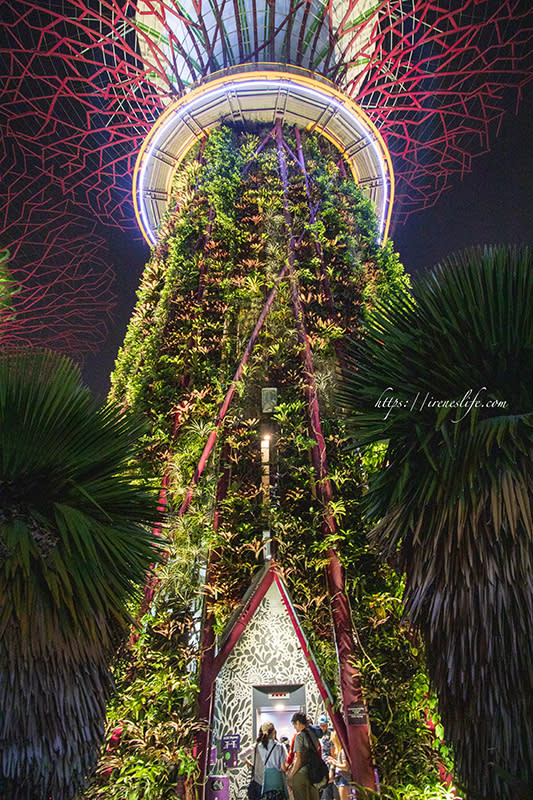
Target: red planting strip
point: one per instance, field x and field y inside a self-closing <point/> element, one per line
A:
<point x="339" y="350"/>
<point x="229" y="396"/>
<point x="357" y="736"/>
<point x="242" y="622"/>
<point x="263" y="143"/>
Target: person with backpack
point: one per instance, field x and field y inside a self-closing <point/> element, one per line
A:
<point x="304" y="768"/>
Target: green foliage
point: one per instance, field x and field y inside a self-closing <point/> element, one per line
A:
<point x="453" y="506"/>
<point x="410" y="793"/>
<point x="219" y="255"/>
<point x="150" y="735"/>
<point x="74" y="549"/>
<point x="8" y="286"/>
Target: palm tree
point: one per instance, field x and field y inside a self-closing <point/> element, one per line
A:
<point x="74" y="548"/>
<point x="445" y="377"/>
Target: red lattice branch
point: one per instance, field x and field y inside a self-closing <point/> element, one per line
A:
<point x="84" y="80"/>
<point x="58" y="282"/>
<point x="80" y="95"/>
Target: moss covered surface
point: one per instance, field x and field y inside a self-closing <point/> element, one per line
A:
<point x="221" y="249"/>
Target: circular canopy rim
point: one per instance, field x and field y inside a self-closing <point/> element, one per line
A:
<point x="330" y="112"/>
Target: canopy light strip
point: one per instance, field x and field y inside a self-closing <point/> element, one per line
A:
<point x="260" y="97"/>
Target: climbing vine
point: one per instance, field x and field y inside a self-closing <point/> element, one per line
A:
<point x="223" y="251"/>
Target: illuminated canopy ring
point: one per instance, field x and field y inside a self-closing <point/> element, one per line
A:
<point x="261" y="96"/>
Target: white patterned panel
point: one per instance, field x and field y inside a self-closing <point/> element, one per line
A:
<point x="267" y="653"/>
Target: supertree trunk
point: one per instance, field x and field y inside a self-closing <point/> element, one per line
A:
<point x="290" y="264"/>
<point x="356" y="741"/>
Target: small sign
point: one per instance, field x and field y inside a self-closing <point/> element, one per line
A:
<point x="230" y="746"/>
<point x="269" y="399"/>
<point x="217" y="787"/>
<point x="278" y="695"/>
<point x="231" y="741"/>
<point x="356" y="713"/>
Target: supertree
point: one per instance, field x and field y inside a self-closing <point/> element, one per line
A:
<point x="266" y="254"/>
<point x="56" y="283"/>
<point x="56" y="270"/>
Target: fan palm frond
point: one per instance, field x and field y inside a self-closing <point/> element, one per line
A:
<point x="445" y="377"/>
<point x="75" y="547"/>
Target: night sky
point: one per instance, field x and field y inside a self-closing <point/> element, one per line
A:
<point x="493" y="204"/>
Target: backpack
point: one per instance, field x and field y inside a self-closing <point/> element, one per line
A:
<point x="254" y="790"/>
<point x="317" y="769"/>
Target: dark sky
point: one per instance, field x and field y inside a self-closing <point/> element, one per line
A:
<point x="492" y="205"/>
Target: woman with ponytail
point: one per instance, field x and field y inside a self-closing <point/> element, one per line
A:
<point x="273" y="756"/>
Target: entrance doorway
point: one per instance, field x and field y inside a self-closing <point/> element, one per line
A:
<point x="281" y="719"/>
<point x="277" y="704"/>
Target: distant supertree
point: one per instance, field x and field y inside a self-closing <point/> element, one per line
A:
<point x="260" y="232"/>
<point x="56" y="270"/>
<point x="56" y="284"/>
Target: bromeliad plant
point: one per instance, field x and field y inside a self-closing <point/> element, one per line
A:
<point x="223" y="249"/>
<point x="74" y="550"/>
<point x="452" y="505"/>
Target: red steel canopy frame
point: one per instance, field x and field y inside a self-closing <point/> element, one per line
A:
<point x="82" y="82"/>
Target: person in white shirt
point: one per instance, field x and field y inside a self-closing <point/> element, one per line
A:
<point x="273" y="755"/>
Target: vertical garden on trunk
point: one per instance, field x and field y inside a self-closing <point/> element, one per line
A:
<point x="257" y="222"/>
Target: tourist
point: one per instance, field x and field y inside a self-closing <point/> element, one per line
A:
<point x="338" y="762"/>
<point x="273" y="755"/>
<point x="330" y="792"/>
<point x="299" y="779"/>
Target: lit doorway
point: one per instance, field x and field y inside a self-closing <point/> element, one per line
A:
<point x="277" y="704"/>
<point x="281" y="717"/>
